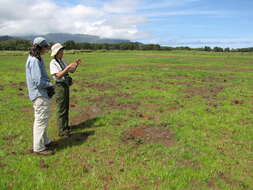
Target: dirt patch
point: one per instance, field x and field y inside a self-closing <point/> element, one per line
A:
<point x="89" y="112"/>
<point x="148" y="134"/>
<point x="20" y="94"/>
<point x="10" y="138"/>
<point x="217" y="79"/>
<point x="109" y="102"/>
<point x="237" y="102"/>
<point x="178" y="77"/>
<point x="204" y="91"/>
<point x="43" y="165"/>
<point x="212" y="68"/>
<point x="1" y="87"/>
<point x="189" y="163"/>
<point x="2" y="165"/>
<point x="26" y="109"/>
<point x="143" y="66"/>
<point x="18" y="84"/>
<point x="213" y="104"/>
<point x="124" y="95"/>
<point x="227" y="180"/>
<point x="98" y="86"/>
<point x="155" y="56"/>
<point x="187" y="83"/>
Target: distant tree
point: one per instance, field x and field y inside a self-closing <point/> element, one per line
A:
<point x="227" y="49"/>
<point x="218" y="49"/>
<point x="70" y="44"/>
<point x="207" y="48"/>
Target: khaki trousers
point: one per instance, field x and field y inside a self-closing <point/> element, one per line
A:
<point x="41" y="107"/>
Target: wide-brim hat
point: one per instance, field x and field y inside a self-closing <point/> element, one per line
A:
<point x="56" y="48"/>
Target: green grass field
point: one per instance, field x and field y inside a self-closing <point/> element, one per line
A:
<point x="145" y="120"/>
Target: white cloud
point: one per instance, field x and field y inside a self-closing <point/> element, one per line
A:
<point x="121" y="6"/>
<point x="40" y="17"/>
<point x="125" y="21"/>
<point x="166" y="4"/>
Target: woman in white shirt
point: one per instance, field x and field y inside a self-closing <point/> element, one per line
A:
<point x="59" y="70"/>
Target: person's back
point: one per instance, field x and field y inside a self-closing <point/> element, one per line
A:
<point x="36" y="78"/>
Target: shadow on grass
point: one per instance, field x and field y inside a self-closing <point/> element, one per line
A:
<point x="74" y="140"/>
<point x="86" y="124"/>
<point x="79" y="137"/>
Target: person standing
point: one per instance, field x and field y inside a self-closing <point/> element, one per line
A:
<point x="40" y="89"/>
<point x="59" y="69"/>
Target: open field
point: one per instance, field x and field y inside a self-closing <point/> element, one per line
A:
<point x="145" y="120"/>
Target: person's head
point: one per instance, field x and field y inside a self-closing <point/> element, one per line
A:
<point x="57" y="51"/>
<point x="39" y="48"/>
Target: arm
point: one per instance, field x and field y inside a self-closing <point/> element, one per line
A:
<point x="63" y="72"/>
<point x="36" y="75"/>
<point x="77" y="63"/>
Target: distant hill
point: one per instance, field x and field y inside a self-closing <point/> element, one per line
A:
<point x="63" y="37"/>
<point x="6" y="38"/>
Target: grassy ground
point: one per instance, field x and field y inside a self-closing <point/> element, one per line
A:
<point x="141" y="120"/>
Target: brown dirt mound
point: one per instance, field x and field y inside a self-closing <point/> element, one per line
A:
<point x="147" y="134"/>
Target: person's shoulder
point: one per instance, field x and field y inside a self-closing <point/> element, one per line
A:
<point x="32" y="59"/>
<point x="53" y="61"/>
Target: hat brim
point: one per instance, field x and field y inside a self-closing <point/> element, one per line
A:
<point x="54" y="53"/>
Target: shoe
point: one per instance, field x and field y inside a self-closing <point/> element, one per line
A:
<point x="45" y="152"/>
<point x="52" y="144"/>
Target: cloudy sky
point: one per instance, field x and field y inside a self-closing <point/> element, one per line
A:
<point x="195" y="23"/>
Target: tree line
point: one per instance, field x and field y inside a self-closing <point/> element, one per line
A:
<point x="18" y="44"/>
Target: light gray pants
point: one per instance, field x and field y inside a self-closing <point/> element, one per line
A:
<point x="41" y="107"/>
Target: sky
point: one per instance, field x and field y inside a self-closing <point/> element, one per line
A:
<point x="194" y="23"/>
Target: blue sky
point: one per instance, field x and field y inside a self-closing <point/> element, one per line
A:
<point x="195" y="23"/>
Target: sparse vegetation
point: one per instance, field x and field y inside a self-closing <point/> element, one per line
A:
<point x="141" y="120"/>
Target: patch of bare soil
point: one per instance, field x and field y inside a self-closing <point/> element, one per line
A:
<point x="43" y="165"/>
<point x="178" y="77"/>
<point x="143" y="66"/>
<point x="204" y="91"/>
<point x="1" y="87"/>
<point x="2" y="165"/>
<point x="20" y="94"/>
<point x="237" y="102"/>
<point x="148" y="134"/>
<point x="88" y="112"/>
<point x="10" y="138"/>
<point x="234" y="184"/>
<point x="124" y="95"/>
<point x="26" y="109"/>
<point x="110" y="102"/>
<point x="155" y="56"/>
<point x="189" y="163"/>
<point x="217" y="79"/>
<point x="187" y="83"/>
<point x="98" y="86"/>
<point x="212" y="68"/>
